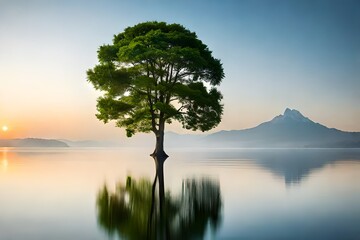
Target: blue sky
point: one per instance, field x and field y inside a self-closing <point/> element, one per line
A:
<point x="276" y="54"/>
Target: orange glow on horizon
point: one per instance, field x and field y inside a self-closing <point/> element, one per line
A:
<point x="13" y="130"/>
<point x="6" y="132"/>
<point x="5" y="128"/>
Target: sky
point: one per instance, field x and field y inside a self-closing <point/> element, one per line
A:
<point x="304" y="55"/>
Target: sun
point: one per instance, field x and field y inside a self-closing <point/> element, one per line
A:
<point x="5" y="128"/>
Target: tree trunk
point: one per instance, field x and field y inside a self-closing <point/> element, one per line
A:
<point x="159" y="152"/>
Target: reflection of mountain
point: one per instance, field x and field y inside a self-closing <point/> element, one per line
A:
<point x="292" y="164"/>
<point x="296" y="165"/>
<point x="32" y="142"/>
<point x="133" y="212"/>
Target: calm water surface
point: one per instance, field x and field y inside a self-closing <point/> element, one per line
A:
<point x="265" y="194"/>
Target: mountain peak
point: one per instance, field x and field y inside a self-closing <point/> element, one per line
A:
<point x="291" y="114"/>
<point x="287" y="111"/>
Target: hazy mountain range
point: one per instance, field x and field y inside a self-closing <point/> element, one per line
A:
<point x="32" y="142"/>
<point x="288" y="130"/>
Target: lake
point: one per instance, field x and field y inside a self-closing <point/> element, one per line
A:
<point x="263" y="193"/>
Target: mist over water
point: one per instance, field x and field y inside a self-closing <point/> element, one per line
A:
<point x="264" y="193"/>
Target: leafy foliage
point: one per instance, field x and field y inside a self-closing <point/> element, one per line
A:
<point x="154" y="73"/>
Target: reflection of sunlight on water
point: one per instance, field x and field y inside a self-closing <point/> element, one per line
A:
<point x="4" y="164"/>
<point x="4" y="161"/>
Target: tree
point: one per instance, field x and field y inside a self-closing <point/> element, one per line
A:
<point x="154" y="73"/>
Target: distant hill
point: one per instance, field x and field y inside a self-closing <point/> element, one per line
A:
<point x="90" y="143"/>
<point x="290" y="129"/>
<point x="32" y="142"/>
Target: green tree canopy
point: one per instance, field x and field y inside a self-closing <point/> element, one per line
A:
<point x="154" y="73"/>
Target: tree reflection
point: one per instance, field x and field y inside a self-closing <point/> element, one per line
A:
<point x="133" y="211"/>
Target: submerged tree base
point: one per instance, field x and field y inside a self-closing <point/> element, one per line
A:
<point x="162" y="156"/>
